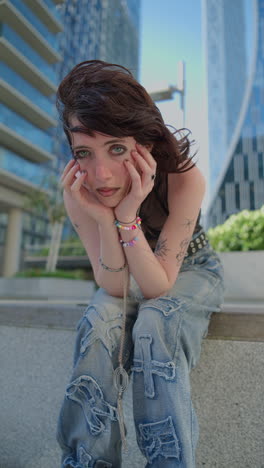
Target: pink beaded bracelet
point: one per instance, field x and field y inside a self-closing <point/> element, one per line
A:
<point x="128" y="228"/>
<point x="130" y="243"/>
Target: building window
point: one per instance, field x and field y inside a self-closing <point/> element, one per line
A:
<point x="237" y="195"/>
<point x="252" y="196"/>
<point x="260" y="166"/>
<point x="245" y="167"/>
<point x="230" y="172"/>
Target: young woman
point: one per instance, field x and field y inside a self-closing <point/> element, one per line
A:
<point x="134" y="197"/>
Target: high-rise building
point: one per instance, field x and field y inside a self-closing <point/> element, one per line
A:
<point x="237" y="182"/>
<point x="96" y="29"/>
<point x="225" y="52"/>
<point x="100" y="29"/>
<point x="40" y="41"/>
<point x="29" y="51"/>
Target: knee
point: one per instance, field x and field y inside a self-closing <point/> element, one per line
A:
<point x="158" y="323"/>
<point x="100" y="326"/>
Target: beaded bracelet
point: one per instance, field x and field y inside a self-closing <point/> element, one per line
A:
<point x="114" y="270"/>
<point x="130" y="243"/>
<point x="128" y="228"/>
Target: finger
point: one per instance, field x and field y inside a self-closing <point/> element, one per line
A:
<point x="135" y="176"/>
<point x="66" y="169"/>
<point x="79" y="181"/>
<point x="146" y="170"/>
<point x="70" y="176"/>
<point x="143" y="151"/>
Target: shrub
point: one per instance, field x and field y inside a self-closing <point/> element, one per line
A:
<point x="75" y="249"/>
<point x="242" y="232"/>
<point x="77" y="274"/>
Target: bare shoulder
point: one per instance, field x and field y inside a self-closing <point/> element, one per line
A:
<point x="189" y="182"/>
<point x="185" y="196"/>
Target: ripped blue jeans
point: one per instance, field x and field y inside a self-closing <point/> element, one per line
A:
<point x="163" y="343"/>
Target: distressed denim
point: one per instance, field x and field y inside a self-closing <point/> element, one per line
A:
<point x="163" y="343"/>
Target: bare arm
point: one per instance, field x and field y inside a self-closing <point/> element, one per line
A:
<point x="99" y="241"/>
<point x="156" y="272"/>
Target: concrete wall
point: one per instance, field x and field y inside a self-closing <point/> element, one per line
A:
<point x="244" y="273"/>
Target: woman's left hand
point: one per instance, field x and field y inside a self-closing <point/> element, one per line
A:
<point x="142" y="182"/>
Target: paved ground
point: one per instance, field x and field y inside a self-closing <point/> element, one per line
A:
<point x="35" y="366"/>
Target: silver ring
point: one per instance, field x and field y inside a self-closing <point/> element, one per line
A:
<point x="153" y="176"/>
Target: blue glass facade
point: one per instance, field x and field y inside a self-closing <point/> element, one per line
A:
<point x="241" y="184"/>
<point x="38" y="134"/>
<point x="27" y="170"/>
<point x="45" y="103"/>
<point x="36" y="22"/>
<point x="24" y="128"/>
<point x="99" y="29"/>
<point x="27" y="51"/>
<point x="225" y="43"/>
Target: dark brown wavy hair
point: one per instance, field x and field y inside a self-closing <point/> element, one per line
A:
<point x="106" y="98"/>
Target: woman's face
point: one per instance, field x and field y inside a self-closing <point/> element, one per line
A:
<point x="102" y="156"/>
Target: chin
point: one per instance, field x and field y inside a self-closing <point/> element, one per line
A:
<point x="109" y="203"/>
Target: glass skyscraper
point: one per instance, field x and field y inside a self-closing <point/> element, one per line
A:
<point x="40" y="41"/>
<point x="29" y="52"/>
<point x="95" y="29"/>
<point x="237" y="162"/>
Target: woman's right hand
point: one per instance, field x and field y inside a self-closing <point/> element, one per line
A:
<point x="73" y="186"/>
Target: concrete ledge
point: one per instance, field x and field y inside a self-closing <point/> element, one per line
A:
<point x="65" y="316"/>
<point x="45" y="288"/>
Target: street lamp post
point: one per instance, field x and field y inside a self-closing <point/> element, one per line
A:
<point x="168" y="93"/>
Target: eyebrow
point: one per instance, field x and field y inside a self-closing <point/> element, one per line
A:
<point x="106" y="143"/>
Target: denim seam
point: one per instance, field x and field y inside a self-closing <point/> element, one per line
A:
<point x="175" y="354"/>
<point x="217" y="281"/>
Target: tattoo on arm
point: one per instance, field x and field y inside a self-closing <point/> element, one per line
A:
<point x="181" y="254"/>
<point x="161" y="248"/>
<point x="188" y="223"/>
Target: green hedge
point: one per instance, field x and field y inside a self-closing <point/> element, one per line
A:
<point x="240" y="232"/>
<point x="42" y="273"/>
<point x="76" y="249"/>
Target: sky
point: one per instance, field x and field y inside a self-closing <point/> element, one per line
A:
<point x="171" y="31"/>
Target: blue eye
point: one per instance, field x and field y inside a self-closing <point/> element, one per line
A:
<point x="81" y="154"/>
<point x="117" y="149"/>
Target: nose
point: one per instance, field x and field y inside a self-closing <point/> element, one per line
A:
<point x="102" y="172"/>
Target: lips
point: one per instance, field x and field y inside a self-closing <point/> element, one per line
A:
<point x="107" y="192"/>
